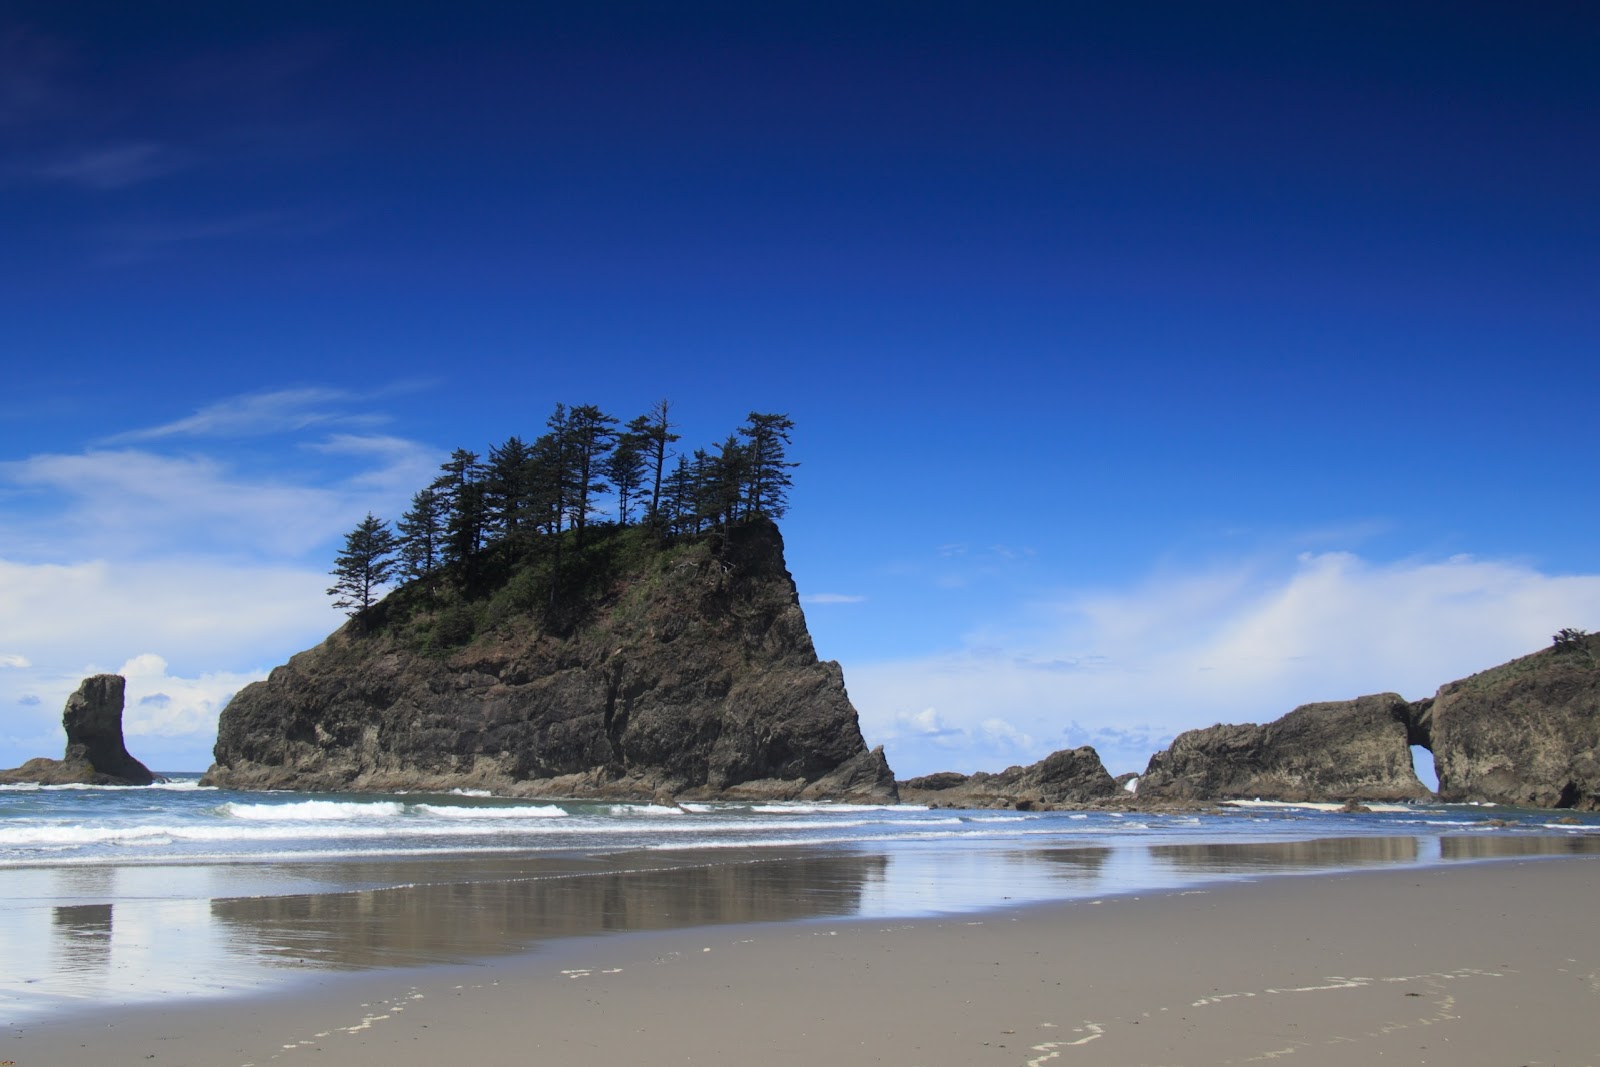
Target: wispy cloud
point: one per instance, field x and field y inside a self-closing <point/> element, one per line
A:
<point x="112" y="166"/>
<point x="1127" y="669"/>
<point x="143" y="502"/>
<point x="832" y="598"/>
<point x="130" y="503"/>
<point x="278" y="411"/>
<point x="127" y="243"/>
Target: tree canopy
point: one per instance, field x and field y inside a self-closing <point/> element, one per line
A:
<point x="526" y="500"/>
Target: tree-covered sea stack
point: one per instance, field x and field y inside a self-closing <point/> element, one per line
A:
<point x="540" y="644"/>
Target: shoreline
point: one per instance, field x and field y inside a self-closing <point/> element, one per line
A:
<point x="1479" y="962"/>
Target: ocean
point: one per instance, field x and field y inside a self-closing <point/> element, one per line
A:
<point x="130" y="895"/>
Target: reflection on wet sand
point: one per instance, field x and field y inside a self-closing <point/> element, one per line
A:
<point x="82" y="936"/>
<point x="1491" y="846"/>
<point x="1073" y="864"/>
<point x="214" y="929"/>
<point x="458" y="920"/>
<point x="1242" y="856"/>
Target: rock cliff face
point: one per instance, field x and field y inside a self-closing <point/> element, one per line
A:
<point x="693" y="675"/>
<point x="1070" y="777"/>
<point x="1526" y="732"/>
<point x="96" y="753"/>
<point x="1347" y="750"/>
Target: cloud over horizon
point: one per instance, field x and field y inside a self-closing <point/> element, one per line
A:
<point x="189" y="572"/>
<point x="1127" y="669"/>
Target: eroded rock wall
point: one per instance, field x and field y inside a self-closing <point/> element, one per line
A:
<point x="1343" y="750"/>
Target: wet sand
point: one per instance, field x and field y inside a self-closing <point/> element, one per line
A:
<point x="1480" y="963"/>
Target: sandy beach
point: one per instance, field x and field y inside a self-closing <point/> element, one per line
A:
<point x="1472" y="964"/>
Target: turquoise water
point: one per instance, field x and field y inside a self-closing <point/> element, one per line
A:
<point x="137" y="894"/>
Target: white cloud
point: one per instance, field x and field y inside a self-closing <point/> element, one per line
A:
<point x="195" y="572"/>
<point x="832" y="598"/>
<point x="1125" y="670"/>
<point x="161" y="704"/>
<point x="278" y="411"/>
<point x="990" y="744"/>
<point x="168" y="720"/>
<point x="219" y="613"/>
<point x="224" y="625"/>
<point x="130" y="502"/>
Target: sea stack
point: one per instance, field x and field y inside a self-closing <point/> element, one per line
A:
<point x="684" y="669"/>
<point x="95" y="753"/>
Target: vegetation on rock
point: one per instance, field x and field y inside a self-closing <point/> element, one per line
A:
<point x="542" y="527"/>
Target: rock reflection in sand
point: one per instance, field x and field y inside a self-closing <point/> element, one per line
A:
<point x="1234" y="857"/>
<point x="78" y="935"/>
<point x="1506" y="846"/>
<point x="82" y="937"/>
<point x="455" y="921"/>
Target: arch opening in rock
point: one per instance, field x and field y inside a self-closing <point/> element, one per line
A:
<point x="1422" y="763"/>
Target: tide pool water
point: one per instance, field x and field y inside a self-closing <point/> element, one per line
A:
<point x="179" y="891"/>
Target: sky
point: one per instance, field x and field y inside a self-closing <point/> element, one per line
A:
<point x="1152" y="364"/>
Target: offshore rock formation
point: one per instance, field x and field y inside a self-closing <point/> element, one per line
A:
<point x="96" y="753"/>
<point x="1346" y="750"/>
<point x="1526" y="732"/>
<point x="1068" y="778"/>
<point x="691" y="675"/>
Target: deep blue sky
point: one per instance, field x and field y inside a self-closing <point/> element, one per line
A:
<point x="1126" y="343"/>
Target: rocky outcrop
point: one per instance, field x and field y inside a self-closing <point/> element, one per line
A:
<point x="1068" y="778"/>
<point x="96" y="753"/>
<point x="1526" y="732"/>
<point x="692" y="675"/>
<point x="1346" y="750"/>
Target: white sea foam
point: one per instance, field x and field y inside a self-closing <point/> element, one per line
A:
<point x="521" y="811"/>
<point x="1309" y="805"/>
<point x="829" y="809"/>
<point x="314" y="810"/>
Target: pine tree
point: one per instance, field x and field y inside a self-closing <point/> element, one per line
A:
<point x="591" y="432"/>
<point x="677" y="499"/>
<point x="421" y="533"/>
<point x="547" y="486"/>
<point x="766" y="466"/>
<point x="508" y="493"/>
<point x="625" y="468"/>
<point x="460" y="486"/>
<point x="654" y="429"/>
<point x="722" y="482"/>
<point x="363" y="566"/>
